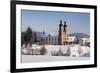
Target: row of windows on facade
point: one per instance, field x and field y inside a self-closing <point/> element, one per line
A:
<point x="54" y="40"/>
<point x="50" y="40"/>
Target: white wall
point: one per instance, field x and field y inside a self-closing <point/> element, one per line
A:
<point x="5" y="37"/>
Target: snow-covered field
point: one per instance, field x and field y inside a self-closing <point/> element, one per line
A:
<point x="73" y="50"/>
<point x="70" y="52"/>
<point x="41" y="58"/>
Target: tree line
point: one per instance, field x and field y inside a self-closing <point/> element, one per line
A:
<point x="28" y="38"/>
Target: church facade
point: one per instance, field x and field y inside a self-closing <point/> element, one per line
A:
<point x="62" y="38"/>
<point x="63" y="33"/>
<point x="50" y="40"/>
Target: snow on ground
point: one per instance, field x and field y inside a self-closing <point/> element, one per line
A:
<point x="74" y="50"/>
<point x="77" y="52"/>
<point x="41" y="58"/>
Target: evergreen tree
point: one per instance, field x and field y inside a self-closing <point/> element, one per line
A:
<point x="22" y="38"/>
<point x="28" y="36"/>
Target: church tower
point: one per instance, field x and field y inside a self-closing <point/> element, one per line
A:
<point x="63" y="34"/>
<point x="60" y="33"/>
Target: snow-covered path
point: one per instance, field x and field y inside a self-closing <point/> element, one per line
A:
<point x="41" y="58"/>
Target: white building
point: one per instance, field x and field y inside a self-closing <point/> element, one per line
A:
<point x="84" y="41"/>
<point x="50" y="39"/>
<point x="71" y="39"/>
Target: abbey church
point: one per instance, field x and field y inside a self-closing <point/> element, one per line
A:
<point x="63" y="33"/>
<point x="61" y="38"/>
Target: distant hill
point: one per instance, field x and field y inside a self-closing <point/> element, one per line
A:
<point x="80" y="35"/>
<point x="40" y="34"/>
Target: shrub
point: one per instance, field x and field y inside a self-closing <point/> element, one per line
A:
<point x="43" y="50"/>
